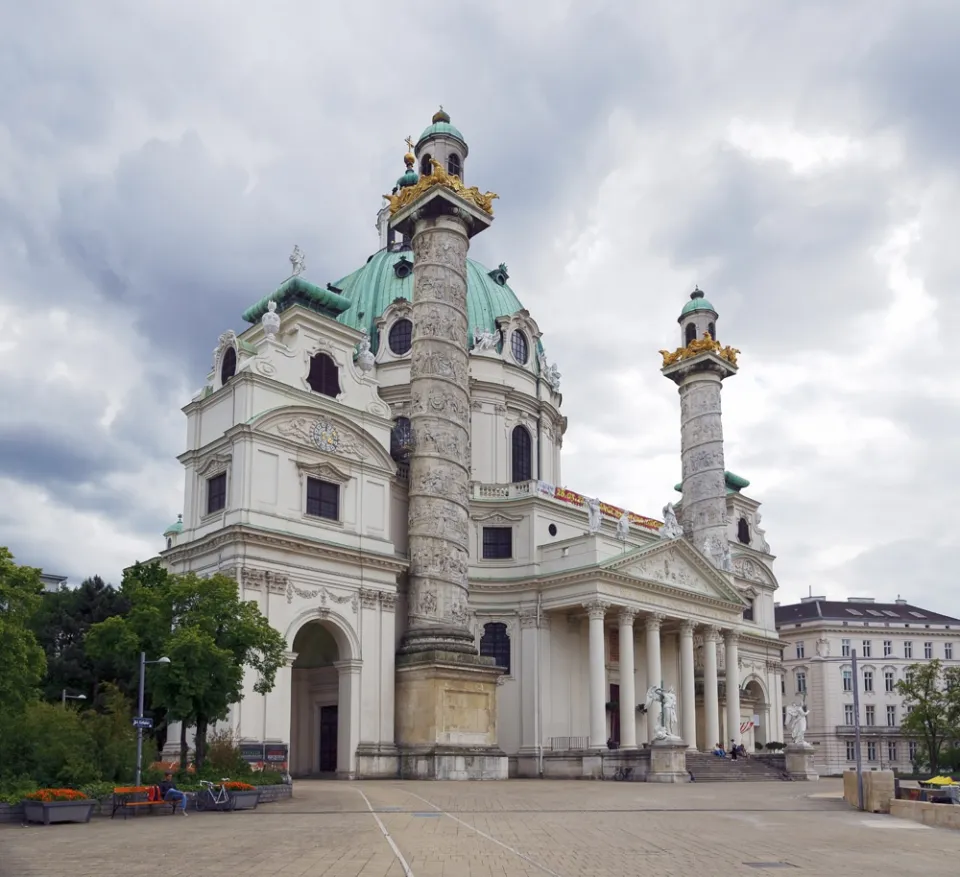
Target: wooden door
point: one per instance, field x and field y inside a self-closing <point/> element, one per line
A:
<point x="328" y="739"/>
<point x="615" y="714"/>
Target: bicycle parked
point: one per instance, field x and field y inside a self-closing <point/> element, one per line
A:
<point x="213" y="796"/>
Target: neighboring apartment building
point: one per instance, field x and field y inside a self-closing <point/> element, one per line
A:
<point x="818" y="637"/>
<point x="51" y="582"/>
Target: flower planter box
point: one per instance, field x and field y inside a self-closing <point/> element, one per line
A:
<point x="51" y="812"/>
<point x="245" y="800"/>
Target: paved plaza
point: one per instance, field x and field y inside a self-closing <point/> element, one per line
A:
<point x="560" y="829"/>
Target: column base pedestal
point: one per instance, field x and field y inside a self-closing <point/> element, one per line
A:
<point x="799" y="761"/>
<point x="447" y="717"/>
<point x="668" y="761"/>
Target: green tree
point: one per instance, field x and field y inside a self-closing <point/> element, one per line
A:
<point x="22" y="663"/>
<point x="931" y="695"/>
<point x="61" y="625"/>
<point x="210" y="635"/>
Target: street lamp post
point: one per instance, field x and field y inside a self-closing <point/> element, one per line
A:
<point x="64" y="697"/>
<point x="143" y="667"/>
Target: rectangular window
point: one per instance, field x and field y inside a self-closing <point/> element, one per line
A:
<point x="851" y="750"/>
<point x="891" y="716"/>
<point x="614" y="646"/>
<point x="871" y="750"/>
<point x="848" y="714"/>
<point x="908" y="650"/>
<point x="800" y="651"/>
<point x="497" y="543"/>
<point x="217" y="493"/>
<point x="912" y="748"/>
<point x="891" y="751"/>
<point x="948" y="651"/>
<point x="801" y="682"/>
<point x="868" y="680"/>
<point x="928" y="651"/>
<point x="323" y="499"/>
<point x="847" y="680"/>
<point x="866" y="649"/>
<point x="870" y="714"/>
<point x="889" y="681"/>
<point x="845" y="648"/>
<point x="887" y="648"/>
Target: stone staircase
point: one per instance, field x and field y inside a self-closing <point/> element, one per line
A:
<point x="710" y="769"/>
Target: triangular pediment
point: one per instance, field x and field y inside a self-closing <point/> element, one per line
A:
<point x="676" y="564"/>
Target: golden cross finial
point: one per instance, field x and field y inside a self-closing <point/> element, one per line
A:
<point x="409" y="142"/>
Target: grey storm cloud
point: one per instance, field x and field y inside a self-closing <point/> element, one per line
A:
<point x="158" y="163"/>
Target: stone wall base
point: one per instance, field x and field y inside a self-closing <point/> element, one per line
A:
<point x="939" y="815"/>
<point x="375" y="761"/>
<point x="878" y="790"/>
<point x="453" y="763"/>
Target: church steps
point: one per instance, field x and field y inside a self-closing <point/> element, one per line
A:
<point x="708" y="768"/>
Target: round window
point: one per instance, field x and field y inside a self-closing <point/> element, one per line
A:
<point x="552" y="529"/>
<point x="400" y="338"/>
<point x="519" y="347"/>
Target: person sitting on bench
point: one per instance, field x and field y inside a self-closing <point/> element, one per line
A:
<point x="170" y="792"/>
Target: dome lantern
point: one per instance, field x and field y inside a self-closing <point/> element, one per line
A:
<point x="442" y="142"/>
<point x="697" y="318"/>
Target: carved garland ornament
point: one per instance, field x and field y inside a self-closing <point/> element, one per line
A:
<point x="321" y="592"/>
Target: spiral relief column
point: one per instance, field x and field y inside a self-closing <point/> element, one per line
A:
<point x="440" y="461"/>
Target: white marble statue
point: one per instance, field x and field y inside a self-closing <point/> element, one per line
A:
<point x="797" y="722"/>
<point x="662" y="705"/>
<point x="298" y="261"/>
<point x="762" y="544"/>
<point x="623" y="527"/>
<point x="593" y="515"/>
<point x="718" y="550"/>
<point x="364" y="356"/>
<point x="485" y="340"/>
<point x="270" y="321"/>
<point x="549" y="373"/>
<point x="671" y="528"/>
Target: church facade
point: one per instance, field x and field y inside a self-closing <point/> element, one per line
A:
<point x="313" y="474"/>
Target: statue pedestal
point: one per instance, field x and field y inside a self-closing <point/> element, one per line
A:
<point x="799" y="757"/>
<point x="668" y="761"/>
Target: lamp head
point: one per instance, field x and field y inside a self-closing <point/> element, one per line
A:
<point x="163" y="660"/>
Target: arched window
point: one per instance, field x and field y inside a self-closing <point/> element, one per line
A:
<point x="519" y="347"/>
<point x="169" y="542"/>
<point x="521" y="454"/>
<point x="324" y="376"/>
<point x="425" y="167"/>
<point x="401" y="440"/>
<point x="690" y="333"/>
<point x="712" y="329"/>
<point x="495" y="643"/>
<point x="400" y="338"/>
<point x="453" y="164"/>
<point x="743" y="531"/>
<point x="228" y="365"/>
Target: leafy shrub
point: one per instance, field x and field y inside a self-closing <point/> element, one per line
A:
<point x="224" y="756"/>
<point x="98" y="790"/>
<point x="15" y="791"/>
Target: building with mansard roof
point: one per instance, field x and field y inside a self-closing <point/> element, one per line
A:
<point x="820" y="638"/>
<point x="310" y="449"/>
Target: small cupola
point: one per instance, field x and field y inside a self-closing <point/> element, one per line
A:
<point x="697" y="319"/>
<point x="172" y="532"/>
<point x="443" y="143"/>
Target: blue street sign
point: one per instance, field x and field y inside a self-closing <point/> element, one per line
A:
<point x="142" y="722"/>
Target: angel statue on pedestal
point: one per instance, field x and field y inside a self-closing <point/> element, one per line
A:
<point x="664" y="700"/>
<point x="797" y="722"/>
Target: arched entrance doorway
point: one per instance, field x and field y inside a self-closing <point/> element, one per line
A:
<point x="755" y="700"/>
<point x="315" y="704"/>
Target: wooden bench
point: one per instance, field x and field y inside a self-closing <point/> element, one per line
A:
<point x="133" y="799"/>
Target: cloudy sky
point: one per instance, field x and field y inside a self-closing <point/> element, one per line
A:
<point x="798" y="161"/>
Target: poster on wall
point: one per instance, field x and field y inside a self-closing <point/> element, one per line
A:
<point x="275" y="756"/>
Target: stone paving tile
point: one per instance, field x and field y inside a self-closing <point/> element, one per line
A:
<point x="554" y="828"/>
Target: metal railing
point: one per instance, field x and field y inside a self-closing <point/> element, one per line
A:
<point x="568" y="744"/>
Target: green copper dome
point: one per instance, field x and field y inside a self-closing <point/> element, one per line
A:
<point x="175" y="528"/>
<point x="388" y="275"/>
<point x="443" y="128"/>
<point x="697" y="303"/>
<point x="408" y="179"/>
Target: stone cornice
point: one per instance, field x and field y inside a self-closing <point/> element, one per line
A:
<point x="286" y="541"/>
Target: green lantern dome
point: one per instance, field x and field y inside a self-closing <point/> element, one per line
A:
<point x="175" y="528"/>
<point x="408" y="179"/>
<point x="388" y="275"/>
<point x="440" y="126"/>
<point x="697" y="303"/>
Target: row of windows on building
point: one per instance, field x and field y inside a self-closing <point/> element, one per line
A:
<point x="846" y="674"/>
<point x="866" y="649"/>
<point x="870" y="715"/>
<point x="873" y="749"/>
<point x="322" y="500"/>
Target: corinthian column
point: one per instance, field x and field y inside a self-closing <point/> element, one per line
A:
<point x="438" y="508"/>
<point x="732" y="660"/>
<point x="711" y="704"/>
<point x="688" y="695"/>
<point x="628" y="693"/>
<point x="598" y="682"/>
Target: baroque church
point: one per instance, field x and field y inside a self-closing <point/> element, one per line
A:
<point x="377" y="461"/>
